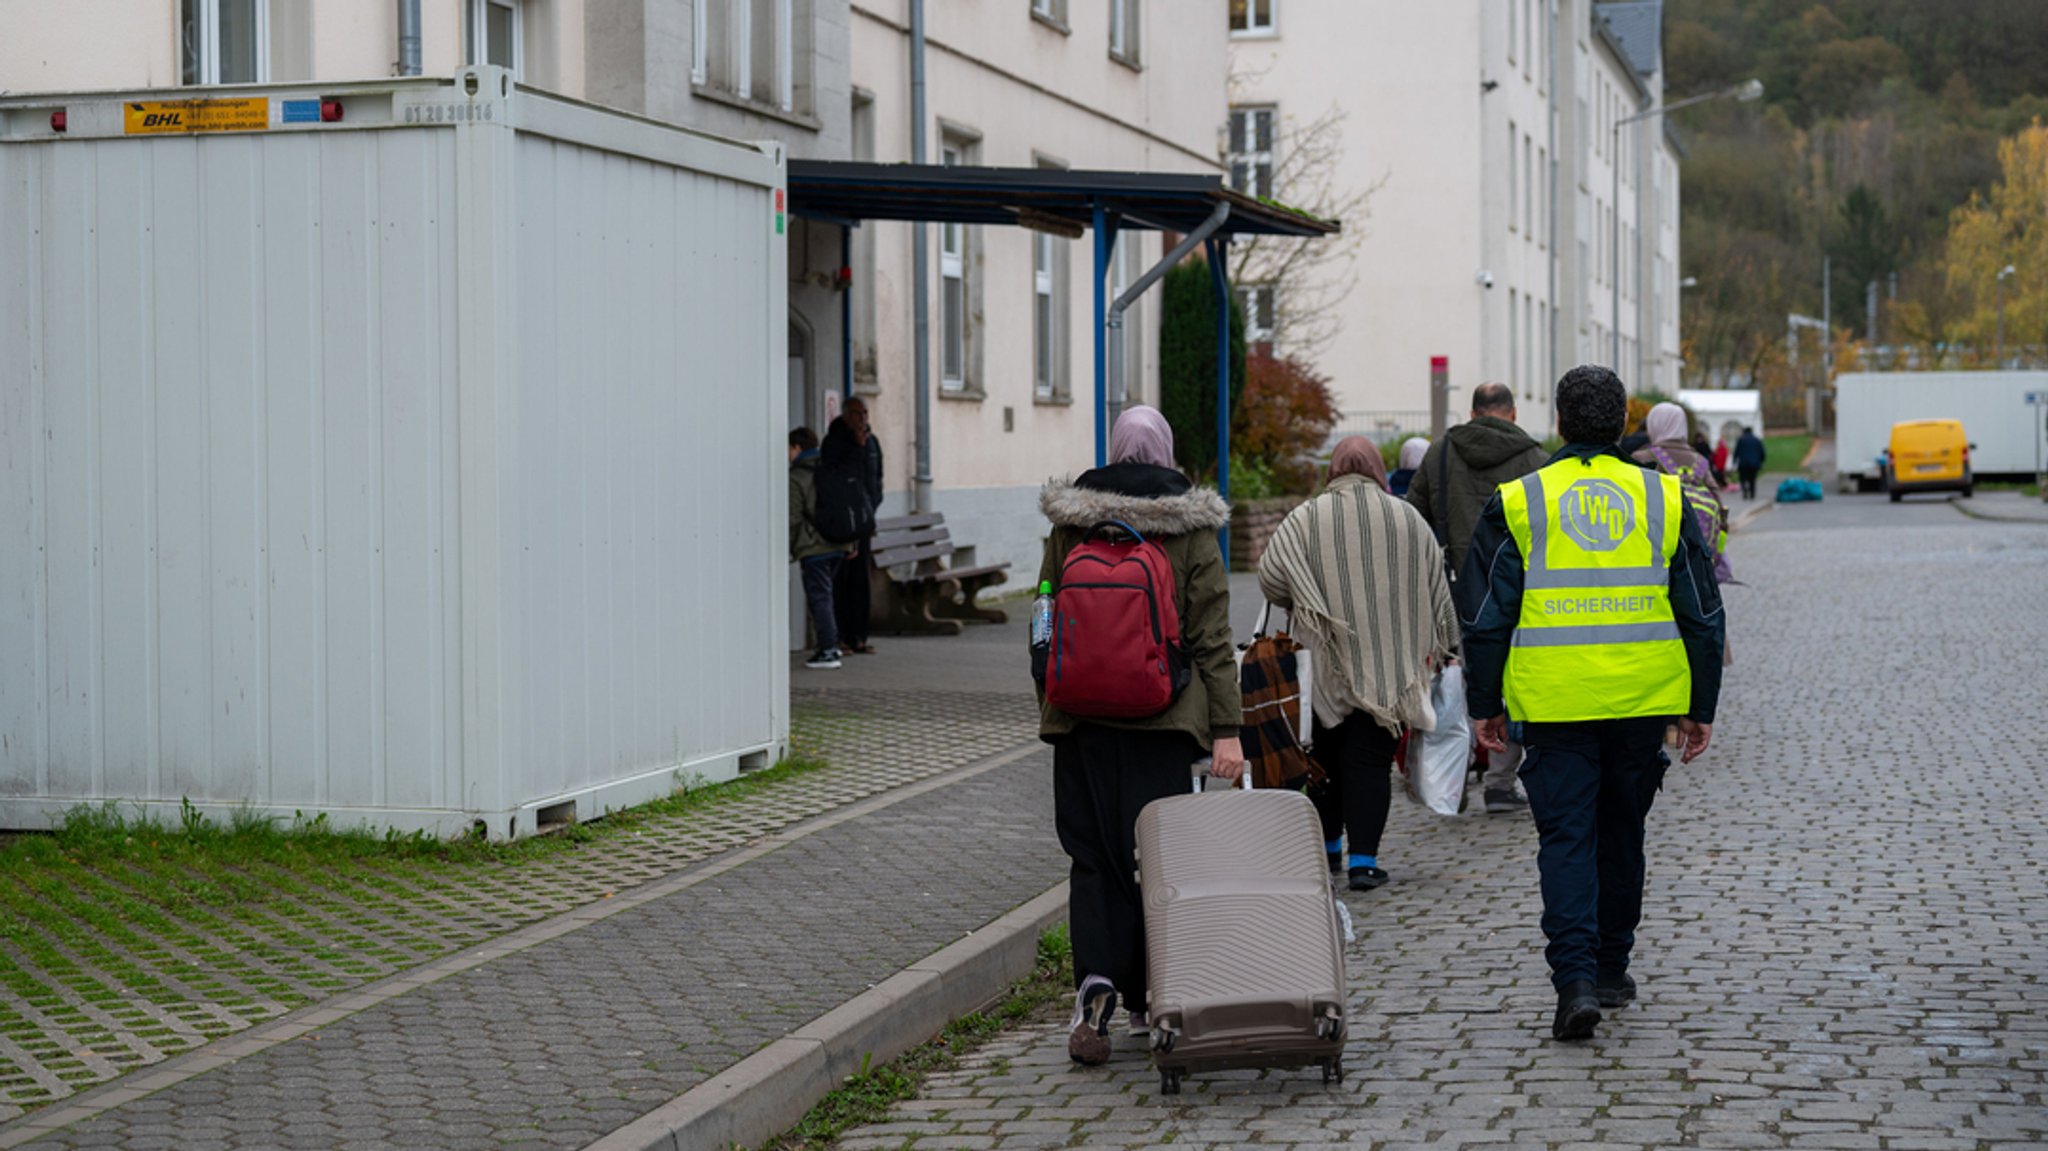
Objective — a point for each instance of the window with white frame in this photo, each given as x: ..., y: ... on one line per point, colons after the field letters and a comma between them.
x: 1252, y: 17
x: 954, y: 151
x: 1514, y: 339
x: 1051, y: 11
x: 1529, y: 344
x: 1528, y: 35
x: 224, y: 41
x: 1528, y: 187
x: 1044, y: 332
x: 755, y: 50
x: 496, y: 33
x: 1512, y: 5
x: 1261, y: 321
x: 1513, y: 143
x: 1123, y: 30
x: 1251, y: 151
x: 1542, y: 196
x: 1050, y: 260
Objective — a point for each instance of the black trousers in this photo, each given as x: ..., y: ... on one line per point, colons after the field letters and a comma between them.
x: 1101, y: 778
x: 1590, y: 787
x: 850, y: 601
x: 1358, y: 755
x: 1748, y: 477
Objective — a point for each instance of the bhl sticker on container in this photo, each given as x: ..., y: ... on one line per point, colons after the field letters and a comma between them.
x: 155, y: 117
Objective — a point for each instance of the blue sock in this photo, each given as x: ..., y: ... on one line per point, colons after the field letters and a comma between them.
x: 1358, y: 860
x: 1334, y: 846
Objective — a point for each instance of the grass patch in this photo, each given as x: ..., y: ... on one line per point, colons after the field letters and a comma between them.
x: 200, y: 860
x: 1782, y: 453
x: 2025, y: 489
x: 867, y: 1096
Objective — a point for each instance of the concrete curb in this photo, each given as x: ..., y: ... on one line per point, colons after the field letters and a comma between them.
x: 771, y: 1090
x: 1957, y: 503
x: 1749, y: 514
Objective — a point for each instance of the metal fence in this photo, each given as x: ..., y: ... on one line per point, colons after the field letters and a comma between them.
x: 1380, y: 427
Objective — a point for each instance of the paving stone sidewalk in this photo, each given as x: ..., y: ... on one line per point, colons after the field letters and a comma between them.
x: 568, y: 1039
x: 1845, y: 941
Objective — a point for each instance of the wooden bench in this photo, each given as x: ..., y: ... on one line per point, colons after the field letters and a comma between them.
x: 919, y: 593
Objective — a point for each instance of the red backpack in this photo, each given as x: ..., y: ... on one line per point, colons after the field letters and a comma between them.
x: 1116, y: 651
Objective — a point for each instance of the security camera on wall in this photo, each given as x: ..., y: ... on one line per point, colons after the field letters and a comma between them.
x: 1484, y: 279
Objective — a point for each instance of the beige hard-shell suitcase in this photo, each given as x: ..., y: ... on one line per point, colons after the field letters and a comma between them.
x: 1242, y: 944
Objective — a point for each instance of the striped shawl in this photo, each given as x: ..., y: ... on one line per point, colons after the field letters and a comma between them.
x: 1363, y: 577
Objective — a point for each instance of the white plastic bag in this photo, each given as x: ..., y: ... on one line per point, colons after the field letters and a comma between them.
x: 1437, y: 758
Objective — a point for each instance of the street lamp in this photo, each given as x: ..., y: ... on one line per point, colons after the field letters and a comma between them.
x: 2003, y: 274
x: 1744, y: 92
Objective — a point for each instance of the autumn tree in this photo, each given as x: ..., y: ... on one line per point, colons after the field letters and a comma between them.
x: 2006, y: 227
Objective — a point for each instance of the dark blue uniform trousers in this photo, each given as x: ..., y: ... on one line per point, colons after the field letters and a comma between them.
x: 1590, y: 786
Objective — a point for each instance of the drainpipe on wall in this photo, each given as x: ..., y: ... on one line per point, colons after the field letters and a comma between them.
x: 1551, y: 371
x: 408, y: 37
x: 921, y: 295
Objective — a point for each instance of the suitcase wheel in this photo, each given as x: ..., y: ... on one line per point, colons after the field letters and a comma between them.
x: 1169, y: 1082
x: 1329, y: 1028
x: 1333, y: 1071
x: 1162, y: 1039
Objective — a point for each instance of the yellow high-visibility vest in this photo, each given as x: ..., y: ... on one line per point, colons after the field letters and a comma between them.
x: 1596, y: 638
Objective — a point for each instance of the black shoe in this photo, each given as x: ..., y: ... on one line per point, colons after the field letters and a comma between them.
x: 1617, y: 991
x: 1336, y: 862
x: 1367, y: 878
x: 1578, y: 1012
x: 1504, y: 799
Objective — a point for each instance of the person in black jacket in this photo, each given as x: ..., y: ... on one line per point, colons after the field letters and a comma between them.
x: 852, y: 597
x: 1585, y: 648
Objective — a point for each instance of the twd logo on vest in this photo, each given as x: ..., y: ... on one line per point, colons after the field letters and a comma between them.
x: 1597, y: 514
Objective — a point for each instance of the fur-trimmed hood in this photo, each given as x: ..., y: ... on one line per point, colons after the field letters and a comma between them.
x: 1067, y: 504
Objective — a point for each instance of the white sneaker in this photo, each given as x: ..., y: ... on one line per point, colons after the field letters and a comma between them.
x: 826, y: 659
x: 1141, y: 1023
x: 1088, y: 1035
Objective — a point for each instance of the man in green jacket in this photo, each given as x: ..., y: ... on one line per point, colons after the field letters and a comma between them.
x: 1458, y: 475
x: 816, y: 556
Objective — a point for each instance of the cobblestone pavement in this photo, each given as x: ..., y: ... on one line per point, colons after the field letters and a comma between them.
x: 1845, y: 941
x: 107, y: 1000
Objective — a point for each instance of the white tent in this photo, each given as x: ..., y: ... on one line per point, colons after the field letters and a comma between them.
x: 1725, y: 412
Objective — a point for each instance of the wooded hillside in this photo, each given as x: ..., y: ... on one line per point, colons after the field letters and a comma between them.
x: 1881, y: 121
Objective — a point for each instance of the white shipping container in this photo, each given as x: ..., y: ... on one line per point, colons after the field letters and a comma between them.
x: 420, y: 467
x: 1992, y: 406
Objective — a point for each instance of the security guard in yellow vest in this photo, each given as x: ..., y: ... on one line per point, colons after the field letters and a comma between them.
x: 1593, y: 621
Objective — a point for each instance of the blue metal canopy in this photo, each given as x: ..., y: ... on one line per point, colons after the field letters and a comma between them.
x: 1067, y: 203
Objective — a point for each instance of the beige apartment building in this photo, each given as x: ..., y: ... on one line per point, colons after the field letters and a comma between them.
x: 1116, y: 84
x: 1487, y: 133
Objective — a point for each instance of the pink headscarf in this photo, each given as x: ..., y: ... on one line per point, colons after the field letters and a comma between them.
x: 1141, y: 436
x: 1358, y: 456
x: 1666, y: 423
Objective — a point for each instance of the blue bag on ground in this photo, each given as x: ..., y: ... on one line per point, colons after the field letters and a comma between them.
x: 1798, y: 491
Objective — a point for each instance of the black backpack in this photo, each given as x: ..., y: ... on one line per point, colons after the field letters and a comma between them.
x: 843, y: 512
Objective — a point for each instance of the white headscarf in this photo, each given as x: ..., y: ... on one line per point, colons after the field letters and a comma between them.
x: 1666, y: 422
x: 1412, y: 451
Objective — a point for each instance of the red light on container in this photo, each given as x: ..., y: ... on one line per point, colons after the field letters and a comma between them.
x: 59, y: 122
x: 1439, y: 363
x: 330, y: 111
x: 778, y: 199
x: 846, y: 275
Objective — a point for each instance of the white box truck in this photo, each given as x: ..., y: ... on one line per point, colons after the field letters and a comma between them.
x: 2002, y: 413
x: 405, y: 451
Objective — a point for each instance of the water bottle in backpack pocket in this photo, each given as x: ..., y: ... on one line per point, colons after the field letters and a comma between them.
x: 1116, y: 645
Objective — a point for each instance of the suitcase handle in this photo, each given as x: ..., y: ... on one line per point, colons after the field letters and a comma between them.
x: 1244, y: 778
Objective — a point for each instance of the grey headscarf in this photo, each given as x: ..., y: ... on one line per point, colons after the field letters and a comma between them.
x: 1666, y: 422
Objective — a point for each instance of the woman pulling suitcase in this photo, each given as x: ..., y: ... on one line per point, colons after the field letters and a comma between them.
x: 1110, y: 757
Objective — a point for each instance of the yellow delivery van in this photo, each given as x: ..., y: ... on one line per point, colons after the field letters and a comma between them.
x: 1928, y: 456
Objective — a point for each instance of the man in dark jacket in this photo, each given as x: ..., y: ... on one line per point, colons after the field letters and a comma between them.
x: 851, y: 594
x: 1749, y: 460
x: 816, y: 557
x: 1456, y: 478
x: 1586, y: 616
